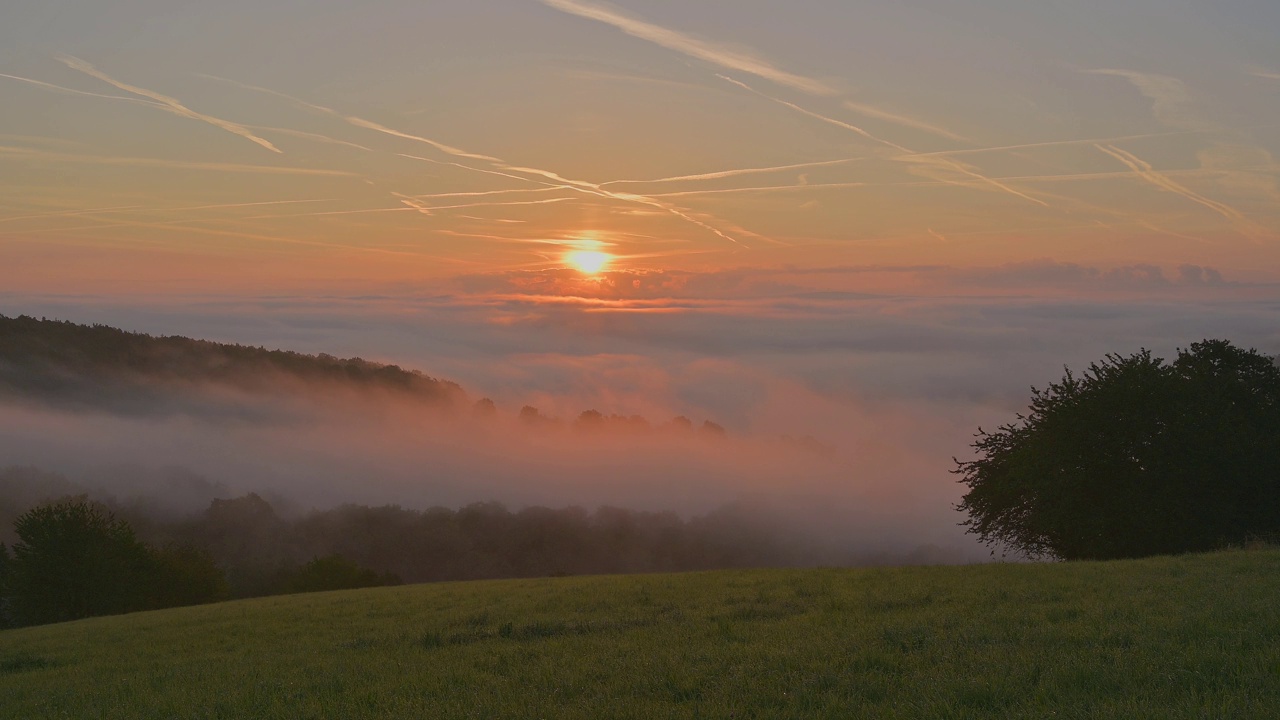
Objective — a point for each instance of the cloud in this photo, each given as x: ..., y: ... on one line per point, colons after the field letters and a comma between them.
x: 692, y: 46
x: 816, y: 292
x: 1197, y: 275
x: 169, y: 103
x: 1171, y: 102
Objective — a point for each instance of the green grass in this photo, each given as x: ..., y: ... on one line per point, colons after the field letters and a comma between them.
x: 1184, y: 637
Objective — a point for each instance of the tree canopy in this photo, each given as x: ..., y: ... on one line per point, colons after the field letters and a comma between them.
x: 1134, y: 457
x: 74, y: 560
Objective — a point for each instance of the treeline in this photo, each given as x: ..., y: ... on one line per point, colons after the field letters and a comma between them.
x: 258, y: 547
x: 73, y: 557
x: 103, y: 368
x: 58, y: 360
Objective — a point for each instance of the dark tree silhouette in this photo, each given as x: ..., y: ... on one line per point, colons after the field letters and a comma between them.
x: 1135, y: 457
x: 74, y: 560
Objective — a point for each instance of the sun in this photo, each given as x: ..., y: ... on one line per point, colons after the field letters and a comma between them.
x: 589, y: 261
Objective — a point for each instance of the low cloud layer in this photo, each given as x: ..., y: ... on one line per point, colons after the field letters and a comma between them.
x: 843, y: 408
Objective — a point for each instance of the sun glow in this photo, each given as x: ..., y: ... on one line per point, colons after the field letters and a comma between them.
x: 589, y: 261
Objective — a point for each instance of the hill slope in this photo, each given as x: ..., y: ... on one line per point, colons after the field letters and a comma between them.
x: 1192, y: 636
x: 101, y: 366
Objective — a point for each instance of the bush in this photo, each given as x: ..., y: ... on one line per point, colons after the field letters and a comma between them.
x: 74, y: 560
x: 336, y: 573
x: 185, y: 575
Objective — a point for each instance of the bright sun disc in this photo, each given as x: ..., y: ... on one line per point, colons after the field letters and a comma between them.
x: 589, y: 261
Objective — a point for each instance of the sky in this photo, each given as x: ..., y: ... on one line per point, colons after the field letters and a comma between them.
x: 816, y: 216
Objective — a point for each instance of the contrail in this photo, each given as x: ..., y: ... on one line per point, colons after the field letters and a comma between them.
x: 730, y: 60
x: 170, y: 164
x: 268, y: 91
x: 185, y: 226
x: 1074, y: 177
x: 766, y: 188
x: 1053, y: 143
x: 317, y: 137
x: 468, y: 167
x: 362, y: 211
x: 909, y: 155
x: 424, y: 209
x: 816, y: 116
x: 905, y: 121
x: 590, y: 188
x: 152, y: 209
x: 496, y: 220
x: 1145, y: 171
x: 692, y: 46
x: 735, y: 173
x: 502, y: 238
x: 960, y: 168
x: 170, y: 103
x: 482, y: 193
x: 446, y: 149
x: 72, y: 213
x: 502, y: 165
x: 86, y: 93
x: 226, y: 206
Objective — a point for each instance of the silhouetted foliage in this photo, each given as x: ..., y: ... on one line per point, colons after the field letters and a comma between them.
x: 1135, y: 457
x: 97, y: 365
x: 336, y: 573
x: 245, y: 536
x: 185, y: 575
x: 73, y: 560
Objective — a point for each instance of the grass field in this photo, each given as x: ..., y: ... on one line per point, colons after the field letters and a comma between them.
x: 1185, y: 637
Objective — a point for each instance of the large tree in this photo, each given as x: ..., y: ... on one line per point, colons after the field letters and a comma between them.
x: 1135, y: 457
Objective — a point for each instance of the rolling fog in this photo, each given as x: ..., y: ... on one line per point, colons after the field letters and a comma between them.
x: 842, y: 411
x: 315, y: 448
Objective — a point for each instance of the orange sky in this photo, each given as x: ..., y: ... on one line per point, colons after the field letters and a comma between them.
x: 185, y: 148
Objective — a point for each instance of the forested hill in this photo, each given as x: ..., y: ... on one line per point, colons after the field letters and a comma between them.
x: 62, y: 362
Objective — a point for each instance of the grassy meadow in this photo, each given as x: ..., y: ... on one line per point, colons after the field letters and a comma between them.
x: 1177, y: 637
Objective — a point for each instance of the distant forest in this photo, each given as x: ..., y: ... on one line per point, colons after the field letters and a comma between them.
x: 98, y: 367
x: 52, y: 360
x: 262, y: 552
